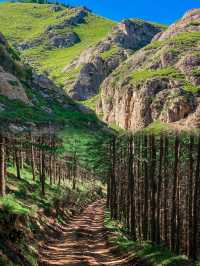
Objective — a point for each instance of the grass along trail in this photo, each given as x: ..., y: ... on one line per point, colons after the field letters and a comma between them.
x: 83, y: 243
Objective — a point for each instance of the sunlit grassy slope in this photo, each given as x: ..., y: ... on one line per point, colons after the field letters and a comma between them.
x: 22, y: 22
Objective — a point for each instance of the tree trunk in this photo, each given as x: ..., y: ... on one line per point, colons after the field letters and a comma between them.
x: 42, y: 178
x: 17, y: 162
x: 190, y: 193
x: 159, y: 191
x: 32, y: 157
x: 113, y: 181
x: 146, y: 190
x: 2, y: 167
x: 153, y: 189
x: 174, y: 197
x: 196, y: 202
x: 166, y: 187
x: 131, y: 183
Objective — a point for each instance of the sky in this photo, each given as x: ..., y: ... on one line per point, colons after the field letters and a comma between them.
x: 163, y: 11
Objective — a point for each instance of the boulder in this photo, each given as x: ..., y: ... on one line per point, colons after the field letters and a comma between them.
x: 2, y: 39
x: 12, y: 88
x: 56, y: 8
x: 75, y: 19
x: 2, y: 107
x: 42, y: 81
x: 30, y: 44
x: 47, y: 110
x: 63, y: 41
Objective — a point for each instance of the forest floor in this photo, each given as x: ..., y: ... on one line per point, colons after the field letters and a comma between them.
x: 84, y: 242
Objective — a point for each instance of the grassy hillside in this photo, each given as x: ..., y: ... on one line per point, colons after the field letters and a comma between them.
x: 23, y: 22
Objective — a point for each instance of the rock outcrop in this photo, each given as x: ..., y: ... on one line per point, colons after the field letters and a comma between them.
x: 59, y: 35
x: 11, y: 71
x: 56, y: 8
x: 159, y: 82
x: 98, y: 62
x: 12, y: 88
x: 77, y: 17
x: 63, y: 41
x: 53, y: 39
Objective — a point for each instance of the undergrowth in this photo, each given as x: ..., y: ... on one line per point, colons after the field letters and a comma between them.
x: 153, y: 254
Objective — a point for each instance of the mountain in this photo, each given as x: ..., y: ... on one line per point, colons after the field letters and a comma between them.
x: 97, y: 62
x: 76, y: 48
x: 136, y: 72
x: 160, y: 82
x: 49, y: 36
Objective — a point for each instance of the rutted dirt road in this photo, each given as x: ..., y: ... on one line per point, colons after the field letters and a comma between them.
x: 84, y: 243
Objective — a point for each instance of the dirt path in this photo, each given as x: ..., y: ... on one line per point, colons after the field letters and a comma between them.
x: 83, y: 243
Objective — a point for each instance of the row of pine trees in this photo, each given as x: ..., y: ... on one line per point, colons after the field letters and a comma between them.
x: 153, y: 181
x: 154, y: 189
x: 46, y: 158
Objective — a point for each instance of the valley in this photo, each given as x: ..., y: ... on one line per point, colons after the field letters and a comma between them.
x: 99, y: 138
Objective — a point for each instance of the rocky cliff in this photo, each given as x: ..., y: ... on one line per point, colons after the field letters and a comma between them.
x: 160, y: 82
x: 96, y: 63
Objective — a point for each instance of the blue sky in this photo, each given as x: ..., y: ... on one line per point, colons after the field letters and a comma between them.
x: 164, y: 11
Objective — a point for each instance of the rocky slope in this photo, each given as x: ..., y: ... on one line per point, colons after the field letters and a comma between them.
x: 96, y: 63
x: 160, y: 82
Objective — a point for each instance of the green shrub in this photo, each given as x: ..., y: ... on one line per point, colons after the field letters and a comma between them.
x: 144, y: 74
x: 10, y: 204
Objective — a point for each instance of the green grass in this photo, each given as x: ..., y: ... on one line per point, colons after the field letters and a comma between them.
x: 156, y: 24
x: 92, y: 102
x: 182, y: 41
x: 157, y: 128
x: 9, y: 204
x: 196, y: 71
x: 109, y: 53
x: 4, y: 261
x: 144, y: 74
x: 26, y: 193
x: 156, y: 255
x: 22, y: 22
x: 191, y: 88
x: 154, y: 45
x: 185, y: 39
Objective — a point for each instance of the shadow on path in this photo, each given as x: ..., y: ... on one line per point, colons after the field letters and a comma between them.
x: 83, y: 243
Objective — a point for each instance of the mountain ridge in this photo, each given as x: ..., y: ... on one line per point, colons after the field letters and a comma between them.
x: 159, y: 82
x: 87, y: 54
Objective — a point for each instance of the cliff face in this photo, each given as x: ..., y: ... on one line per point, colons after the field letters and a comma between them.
x: 159, y: 82
x: 11, y: 71
x: 96, y: 63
